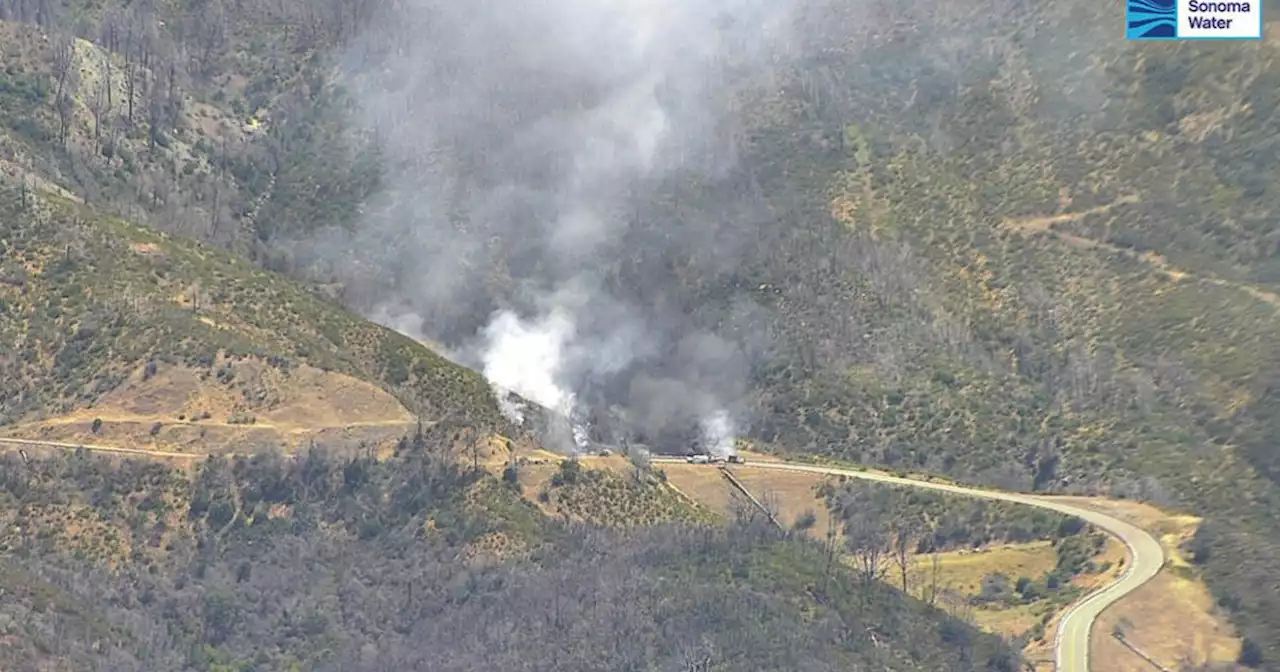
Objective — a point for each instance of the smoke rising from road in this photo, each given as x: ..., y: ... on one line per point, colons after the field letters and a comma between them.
x: 521, y: 140
x: 718, y: 434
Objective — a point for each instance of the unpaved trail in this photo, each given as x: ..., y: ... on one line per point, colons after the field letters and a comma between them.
x: 101, y: 449
x: 1044, y: 226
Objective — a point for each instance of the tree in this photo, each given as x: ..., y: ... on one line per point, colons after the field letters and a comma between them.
x: 905, y: 536
x: 995, y: 586
x: 935, y: 567
x: 64, y: 60
x: 868, y: 542
x: 829, y: 546
x: 211, y: 33
x: 65, y: 108
x: 473, y: 443
x: 511, y: 475
x: 101, y: 102
x: 67, y: 76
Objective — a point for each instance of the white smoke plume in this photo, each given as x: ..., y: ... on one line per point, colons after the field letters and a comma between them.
x: 528, y: 358
x: 718, y: 436
x: 521, y: 141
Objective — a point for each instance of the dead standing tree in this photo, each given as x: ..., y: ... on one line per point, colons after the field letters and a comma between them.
x: 868, y: 542
x: 101, y: 104
x: 67, y: 75
x: 904, y: 533
x: 935, y: 564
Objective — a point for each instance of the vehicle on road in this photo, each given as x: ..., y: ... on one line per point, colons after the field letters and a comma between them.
x: 698, y: 459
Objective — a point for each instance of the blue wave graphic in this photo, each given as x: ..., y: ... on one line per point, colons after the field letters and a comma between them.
x: 1151, y: 18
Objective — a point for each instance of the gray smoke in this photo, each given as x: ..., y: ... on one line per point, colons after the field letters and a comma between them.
x: 520, y: 139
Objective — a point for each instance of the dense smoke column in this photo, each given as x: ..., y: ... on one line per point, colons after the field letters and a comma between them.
x: 526, y: 145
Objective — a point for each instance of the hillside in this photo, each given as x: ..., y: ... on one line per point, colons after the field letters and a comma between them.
x: 1023, y: 253
x: 413, y: 563
x: 126, y: 565
x: 122, y: 332
x: 1037, y: 257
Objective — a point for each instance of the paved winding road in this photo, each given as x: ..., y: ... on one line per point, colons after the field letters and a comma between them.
x: 1071, y: 648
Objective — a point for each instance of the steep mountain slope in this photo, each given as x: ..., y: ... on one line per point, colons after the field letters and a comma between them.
x: 1022, y: 251
x: 142, y: 327
x: 130, y: 565
x: 1036, y: 256
x: 121, y: 334
x: 412, y: 563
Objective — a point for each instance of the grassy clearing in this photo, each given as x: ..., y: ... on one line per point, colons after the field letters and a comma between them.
x: 1174, y: 618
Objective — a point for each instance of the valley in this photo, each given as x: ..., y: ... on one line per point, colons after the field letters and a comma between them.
x: 327, y: 293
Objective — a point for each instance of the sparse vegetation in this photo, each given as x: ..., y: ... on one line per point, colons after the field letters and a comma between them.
x: 110, y: 298
x: 892, y: 531
x: 236, y: 562
x: 1039, y: 257
x: 604, y: 497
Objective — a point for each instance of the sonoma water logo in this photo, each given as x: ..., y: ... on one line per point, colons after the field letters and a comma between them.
x: 1193, y: 19
x: 1151, y: 19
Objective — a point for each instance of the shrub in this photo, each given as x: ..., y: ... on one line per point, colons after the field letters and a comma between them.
x: 1250, y: 653
x: 511, y: 476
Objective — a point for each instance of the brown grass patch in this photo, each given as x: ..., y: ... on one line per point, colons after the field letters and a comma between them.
x: 790, y: 494
x: 608, y: 493
x: 238, y: 405
x: 492, y: 549
x: 1171, y: 618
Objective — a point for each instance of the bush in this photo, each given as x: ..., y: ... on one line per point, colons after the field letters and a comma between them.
x: 511, y: 476
x: 1250, y: 653
x: 570, y: 472
x: 994, y: 587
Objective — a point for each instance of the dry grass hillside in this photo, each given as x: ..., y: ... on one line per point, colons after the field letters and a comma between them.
x: 1173, y: 619
x: 244, y: 405
x: 125, y: 336
x: 238, y: 562
x: 607, y: 491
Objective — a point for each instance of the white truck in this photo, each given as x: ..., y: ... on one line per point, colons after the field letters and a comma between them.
x: 698, y: 459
